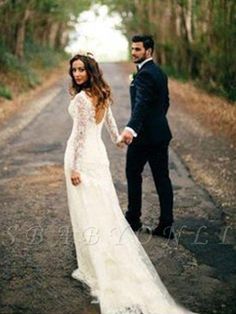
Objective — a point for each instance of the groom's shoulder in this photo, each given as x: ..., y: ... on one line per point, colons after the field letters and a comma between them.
x: 153, y: 67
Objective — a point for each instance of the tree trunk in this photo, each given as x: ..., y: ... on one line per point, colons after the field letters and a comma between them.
x: 62, y: 36
x: 188, y: 21
x: 52, y: 35
x: 20, y: 35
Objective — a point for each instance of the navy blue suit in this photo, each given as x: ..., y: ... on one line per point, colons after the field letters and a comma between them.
x: 149, y: 105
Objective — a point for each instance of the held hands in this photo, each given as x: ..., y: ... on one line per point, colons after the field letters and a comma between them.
x: 75, y: 177
x: 125, y: 137
x: 120, y: 144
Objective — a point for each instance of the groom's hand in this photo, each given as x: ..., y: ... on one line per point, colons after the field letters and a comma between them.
x: 127, y: 137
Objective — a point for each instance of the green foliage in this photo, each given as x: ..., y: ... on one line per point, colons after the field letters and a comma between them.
x: 5, y: 92
x: 171, y: 71
x: 43, y: 56
x: 195, y: 38
x: 10, y: 63
x: 33, y: 36
x: 43, y: 22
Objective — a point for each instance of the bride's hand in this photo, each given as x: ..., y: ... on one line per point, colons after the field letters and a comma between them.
x: 120, y: 143
x: 75, y: 177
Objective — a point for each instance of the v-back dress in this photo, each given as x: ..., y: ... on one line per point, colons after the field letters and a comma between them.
x: 110, y: 258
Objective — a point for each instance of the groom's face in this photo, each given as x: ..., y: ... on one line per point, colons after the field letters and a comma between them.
x: 139, y: 53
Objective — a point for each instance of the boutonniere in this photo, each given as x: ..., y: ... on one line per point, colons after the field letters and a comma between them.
x: 132, y: 76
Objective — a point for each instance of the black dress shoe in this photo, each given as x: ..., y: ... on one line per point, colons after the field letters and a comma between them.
x: 136, y: 227
x: 164, y: 231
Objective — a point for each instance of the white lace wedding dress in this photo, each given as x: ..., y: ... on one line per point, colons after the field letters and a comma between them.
x: 110, y: 258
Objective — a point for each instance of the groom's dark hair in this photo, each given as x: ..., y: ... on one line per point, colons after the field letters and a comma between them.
x: 147, y: 41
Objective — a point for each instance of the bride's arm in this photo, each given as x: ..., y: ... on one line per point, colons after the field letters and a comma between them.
x: 80, y: 122
x: 111, y: 126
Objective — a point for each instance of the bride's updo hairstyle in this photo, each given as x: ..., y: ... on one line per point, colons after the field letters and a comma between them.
x: 95, y: 87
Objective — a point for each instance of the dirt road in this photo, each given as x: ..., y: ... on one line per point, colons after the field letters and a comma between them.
x: 37, y: 250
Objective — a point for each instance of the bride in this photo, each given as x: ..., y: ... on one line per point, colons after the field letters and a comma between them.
x: 110, y: 258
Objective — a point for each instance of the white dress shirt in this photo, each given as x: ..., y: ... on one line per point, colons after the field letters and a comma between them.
x: 142, y: 63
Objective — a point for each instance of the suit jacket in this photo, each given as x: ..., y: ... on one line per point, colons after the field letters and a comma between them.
x: 149, y: 105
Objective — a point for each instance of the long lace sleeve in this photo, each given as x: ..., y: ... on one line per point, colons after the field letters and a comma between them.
x: 80, y: 122
x: 111, y: 126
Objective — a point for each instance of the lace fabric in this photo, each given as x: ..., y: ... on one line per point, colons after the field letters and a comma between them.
x: 111, y: 126
x: 82, y: 112
x: 110, y: 258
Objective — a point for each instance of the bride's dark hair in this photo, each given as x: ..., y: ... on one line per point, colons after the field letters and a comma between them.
x: 95, y: 86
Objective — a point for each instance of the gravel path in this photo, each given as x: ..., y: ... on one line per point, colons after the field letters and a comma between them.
x: 37, y: 250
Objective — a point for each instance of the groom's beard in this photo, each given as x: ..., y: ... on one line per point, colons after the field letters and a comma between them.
x: 140, y: 60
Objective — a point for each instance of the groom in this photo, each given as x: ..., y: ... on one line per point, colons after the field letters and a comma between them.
x: 148, y: 135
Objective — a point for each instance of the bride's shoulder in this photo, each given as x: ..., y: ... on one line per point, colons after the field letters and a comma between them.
x: 79, y: 97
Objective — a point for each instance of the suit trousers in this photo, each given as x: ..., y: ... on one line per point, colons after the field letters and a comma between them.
x: 157, y: 157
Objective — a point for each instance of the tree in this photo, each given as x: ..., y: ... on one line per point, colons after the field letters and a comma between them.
x: 195, y: 38
x: 44, y: 22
